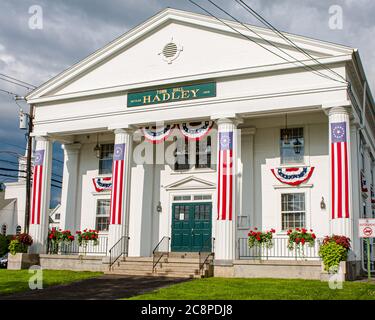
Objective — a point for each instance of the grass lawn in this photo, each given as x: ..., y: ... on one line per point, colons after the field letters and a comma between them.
x: 260, y: 289
x: 12, y: 281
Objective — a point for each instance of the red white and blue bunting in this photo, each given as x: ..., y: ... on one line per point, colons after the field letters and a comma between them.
x: 372, y: 195
x: 102, y: 184
x: 363, y: 182
x: 194, y: 130
x: 157, y: 134
x: 293, y: 176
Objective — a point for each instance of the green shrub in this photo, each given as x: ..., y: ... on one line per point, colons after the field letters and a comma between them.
x: 4, y: 244
x: 332, y: 254
x: 17, y: 247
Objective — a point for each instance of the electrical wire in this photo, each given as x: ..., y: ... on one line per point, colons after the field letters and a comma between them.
x: 306, y: 67
x: 24, y: 82
x: 278, y: 32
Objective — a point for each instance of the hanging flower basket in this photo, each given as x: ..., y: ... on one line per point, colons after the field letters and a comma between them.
x: 57, y: 237
x: 86, y: 236
x: 299, y: 238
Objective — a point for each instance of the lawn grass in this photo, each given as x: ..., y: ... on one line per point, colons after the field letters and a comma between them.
x: 12, y: 281
x: 260, y: 289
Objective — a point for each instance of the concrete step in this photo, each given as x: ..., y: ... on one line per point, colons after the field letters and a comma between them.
x: 150, y: 274
x: 184, y: 255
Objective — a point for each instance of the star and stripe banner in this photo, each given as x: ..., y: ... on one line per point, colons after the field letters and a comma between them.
x: 293, y: 176
x: 195, y: 130
x: 155, y: 134
x: 118, y: 181
x: 339, y: 171
x: 37, y: 187
x: 102, y: 183
x: 225, y: 176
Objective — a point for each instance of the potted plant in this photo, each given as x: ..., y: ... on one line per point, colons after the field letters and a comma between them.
x: 334, y: 250
x: 260, y: 239
x: 300, y: 237
x: 56, y: 237
x: 20, y: 243
x: 86, y: 236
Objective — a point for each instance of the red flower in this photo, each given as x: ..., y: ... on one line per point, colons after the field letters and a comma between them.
x: 303, y: 241
x: 255, y: 228
x: 313, y: 236
x: 273, y: 230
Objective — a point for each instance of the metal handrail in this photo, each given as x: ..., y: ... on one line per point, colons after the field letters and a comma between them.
x: 204, y: 255
x: 279, y: 250
x: 119, y: 249
x: 156, y: 254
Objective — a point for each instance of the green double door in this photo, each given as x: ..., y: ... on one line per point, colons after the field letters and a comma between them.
x: 191, y: 226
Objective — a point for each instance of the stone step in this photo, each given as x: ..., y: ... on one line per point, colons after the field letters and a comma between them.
x: 150, y: 274
x: 184, y: 255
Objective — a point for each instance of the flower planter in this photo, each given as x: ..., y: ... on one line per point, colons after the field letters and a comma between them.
x: 22, y: 261
x: 340, y: 276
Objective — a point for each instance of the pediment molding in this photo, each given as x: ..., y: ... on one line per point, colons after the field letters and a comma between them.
x: 190, y: 183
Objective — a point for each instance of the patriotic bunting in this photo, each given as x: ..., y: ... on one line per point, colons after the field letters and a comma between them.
x: 293, y: 176
x: 37, y: 187
x: 118, y: 176
x: 372, y: 195
x: 363, y: 182
x: 157, y: 134
x: 194, y: 131
x: 102, y: 184
x: 225, y: 176
x: 339, y: 171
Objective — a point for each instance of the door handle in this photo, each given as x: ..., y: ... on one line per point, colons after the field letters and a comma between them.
x: 192, y: 231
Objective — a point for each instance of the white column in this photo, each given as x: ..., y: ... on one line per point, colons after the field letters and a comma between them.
x: 40, y: 199
x: 68, y: 219
x: 341, y: 209
x: 227, y: 166
x: 120, y: 194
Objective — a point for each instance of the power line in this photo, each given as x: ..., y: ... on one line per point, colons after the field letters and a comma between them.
x: 16, y: 177
x: 18, y: 84
x: 24, y: 171
x: 306, y: 67
x: 9, y: 92
x: 278, y: 32
x: 24, y: 82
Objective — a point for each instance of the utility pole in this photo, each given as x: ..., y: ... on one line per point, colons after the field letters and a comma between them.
x: 29, y: 118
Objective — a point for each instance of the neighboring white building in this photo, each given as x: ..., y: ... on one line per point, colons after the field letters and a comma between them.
x: 12, y: 203
x: 55, y: 217
x: 267, y: 113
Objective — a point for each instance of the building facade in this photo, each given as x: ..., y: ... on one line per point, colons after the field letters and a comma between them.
x: 184, y: 129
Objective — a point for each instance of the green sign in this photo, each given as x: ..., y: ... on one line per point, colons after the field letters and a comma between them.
x: 173, y: 94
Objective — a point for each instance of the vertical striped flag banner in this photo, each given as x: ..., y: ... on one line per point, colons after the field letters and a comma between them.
x: 339, y: 170
x: 225, y: 177
x: 37, y: 187
x: 118, y: 182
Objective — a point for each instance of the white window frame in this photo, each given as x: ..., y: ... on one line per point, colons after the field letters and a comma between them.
x: 96, y: 214
x: 306, y: 152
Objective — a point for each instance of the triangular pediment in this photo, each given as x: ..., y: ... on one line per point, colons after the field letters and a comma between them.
x: 206, y: 46
x: 190, y: 183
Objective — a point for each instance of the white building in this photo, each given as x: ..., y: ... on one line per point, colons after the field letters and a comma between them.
x: 271, y: 115
x: 12, y: 203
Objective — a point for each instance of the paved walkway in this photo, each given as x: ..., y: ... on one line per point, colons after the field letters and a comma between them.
x: 106, y: 287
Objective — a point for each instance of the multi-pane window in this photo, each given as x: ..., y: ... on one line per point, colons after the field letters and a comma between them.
x: 106, y: 158
x: 102, y: 214
x: 293, y: 210
x: 182, y: 154
x: 202, y: 212
x: 292, y: 145
x: 203, y: 154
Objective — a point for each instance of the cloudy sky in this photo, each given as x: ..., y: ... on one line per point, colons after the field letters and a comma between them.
x: 72, y: 29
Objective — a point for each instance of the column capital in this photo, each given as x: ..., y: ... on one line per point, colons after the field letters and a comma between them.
x: 228, y: 120
x: 43, y: 138
x: 129, y: 130
x: 344, y: 110
x: 71, y: 147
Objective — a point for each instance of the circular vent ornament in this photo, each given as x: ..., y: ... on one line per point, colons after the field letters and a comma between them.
x: 170, y: 51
